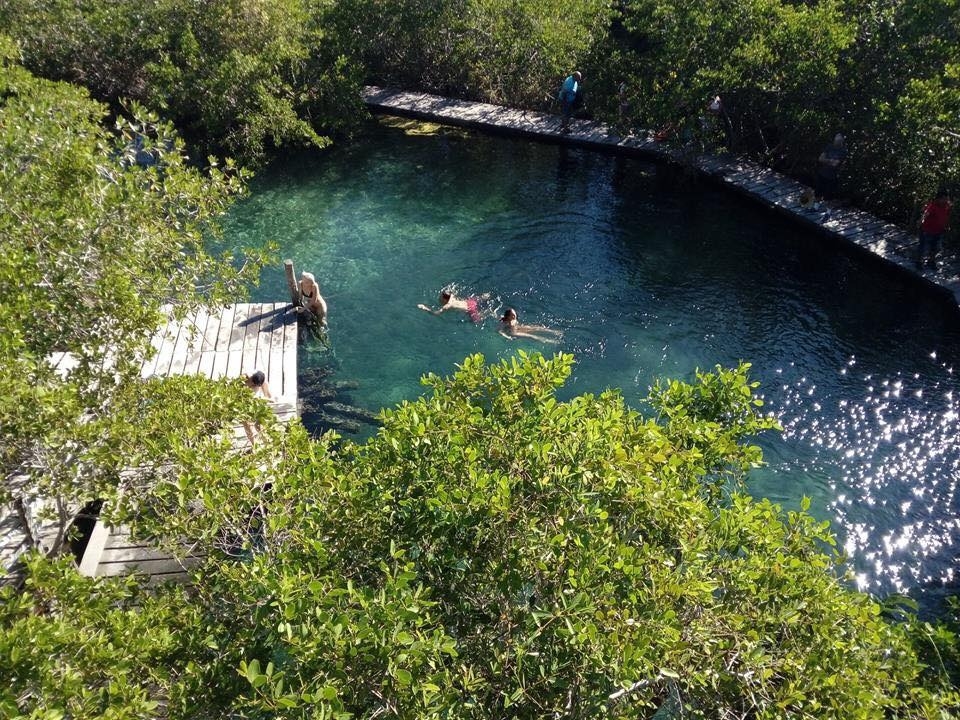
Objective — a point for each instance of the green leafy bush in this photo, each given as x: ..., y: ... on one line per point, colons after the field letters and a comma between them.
x: 493, y: 552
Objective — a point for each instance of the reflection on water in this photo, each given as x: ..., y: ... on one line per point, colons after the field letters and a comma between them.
x: 646, y: 280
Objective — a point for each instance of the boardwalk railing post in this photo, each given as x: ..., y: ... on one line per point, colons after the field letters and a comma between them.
x: 292, y: 282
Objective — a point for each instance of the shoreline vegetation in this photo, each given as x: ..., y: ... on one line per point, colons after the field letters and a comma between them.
x: 492, y: 551
x: 250, y: 81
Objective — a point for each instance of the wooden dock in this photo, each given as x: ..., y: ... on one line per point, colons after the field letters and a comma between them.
x: 238, y: 339
x: 861, y: 230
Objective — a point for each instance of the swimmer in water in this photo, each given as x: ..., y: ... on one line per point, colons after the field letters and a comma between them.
x: 511, y: 328
x: 472, y: 305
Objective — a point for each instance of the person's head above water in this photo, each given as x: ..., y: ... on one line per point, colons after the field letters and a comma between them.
x: 445, y: 296
x: 509, y: 315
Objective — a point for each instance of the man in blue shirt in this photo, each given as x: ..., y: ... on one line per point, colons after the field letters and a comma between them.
x: 569, y: 92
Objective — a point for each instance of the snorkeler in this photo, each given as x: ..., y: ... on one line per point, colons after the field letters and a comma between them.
x: 472, y: 306
x: 511, y: 328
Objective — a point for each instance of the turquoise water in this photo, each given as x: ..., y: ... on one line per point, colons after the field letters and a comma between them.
x: 645, y: 280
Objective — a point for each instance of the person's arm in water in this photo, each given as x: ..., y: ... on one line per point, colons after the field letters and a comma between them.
x: 431, y: 310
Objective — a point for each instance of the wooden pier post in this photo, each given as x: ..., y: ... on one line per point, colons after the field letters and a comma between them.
x: 292, y: 282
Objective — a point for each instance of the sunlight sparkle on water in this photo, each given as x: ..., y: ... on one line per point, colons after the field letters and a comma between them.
x: 898, y: 453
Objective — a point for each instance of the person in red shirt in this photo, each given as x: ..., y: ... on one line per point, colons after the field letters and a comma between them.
x: 933, y: 224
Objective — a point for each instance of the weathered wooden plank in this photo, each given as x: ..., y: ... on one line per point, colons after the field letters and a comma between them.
x: 226, y: 328
x: 252, y: 327
x: 165, y: 356
x: 192, y: 363
x: 241, y: 313
x: 207, y: 359
x: 212, y: 330
x: 138, y: 554
x: 94, y: 550
x: 181, y: 346
x: 148, y: 567
x: 290, y: 349
x: 264, y: 337
x: 220, y: 360
x: 276, y: 362
x: 156, y: 342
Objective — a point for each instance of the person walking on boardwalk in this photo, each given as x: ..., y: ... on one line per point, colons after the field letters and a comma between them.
x: 933, y: 224
x: 511, y: 328
x: 828, y: 168
x: 570, y: 92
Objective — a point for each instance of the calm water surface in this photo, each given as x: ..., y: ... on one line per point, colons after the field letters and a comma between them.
x: 646, y: 281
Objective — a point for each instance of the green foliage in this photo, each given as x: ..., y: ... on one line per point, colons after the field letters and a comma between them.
x: 92, y: 247
x: 901, y: 103
x: 507, y: 51
x: 79, y: 648
x: 247, y: 78
x: 793, y: 74
x: 255, y: 77
x: 494, y: 552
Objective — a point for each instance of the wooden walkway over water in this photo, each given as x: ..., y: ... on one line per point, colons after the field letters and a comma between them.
x: 235, y: 340
x: 861, y: 230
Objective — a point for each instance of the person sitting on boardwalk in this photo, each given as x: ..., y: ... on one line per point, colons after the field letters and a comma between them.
x: 310, y: 297
x: 257, y: 382
x: 933, y: 224
x: 472, y: 306
x: 511, y: 328
x: 570, y: 92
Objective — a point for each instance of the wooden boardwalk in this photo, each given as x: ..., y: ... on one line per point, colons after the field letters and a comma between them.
x: 238, y: 339
x: 861, y: 230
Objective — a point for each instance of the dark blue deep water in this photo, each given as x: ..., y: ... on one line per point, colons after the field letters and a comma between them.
x: 646, y: 279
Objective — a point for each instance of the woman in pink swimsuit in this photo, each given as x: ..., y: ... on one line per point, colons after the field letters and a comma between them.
x: 448, y: 301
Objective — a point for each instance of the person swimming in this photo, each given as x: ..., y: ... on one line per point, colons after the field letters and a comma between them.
x: 472, y: 306
x: 511, y: 328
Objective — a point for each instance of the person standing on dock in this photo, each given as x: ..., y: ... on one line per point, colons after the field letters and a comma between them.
x: 828, y: 168
x: 570, y: 93
x: 933, y: 224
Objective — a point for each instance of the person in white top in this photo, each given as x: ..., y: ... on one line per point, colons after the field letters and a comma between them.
x: 257, y: 382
